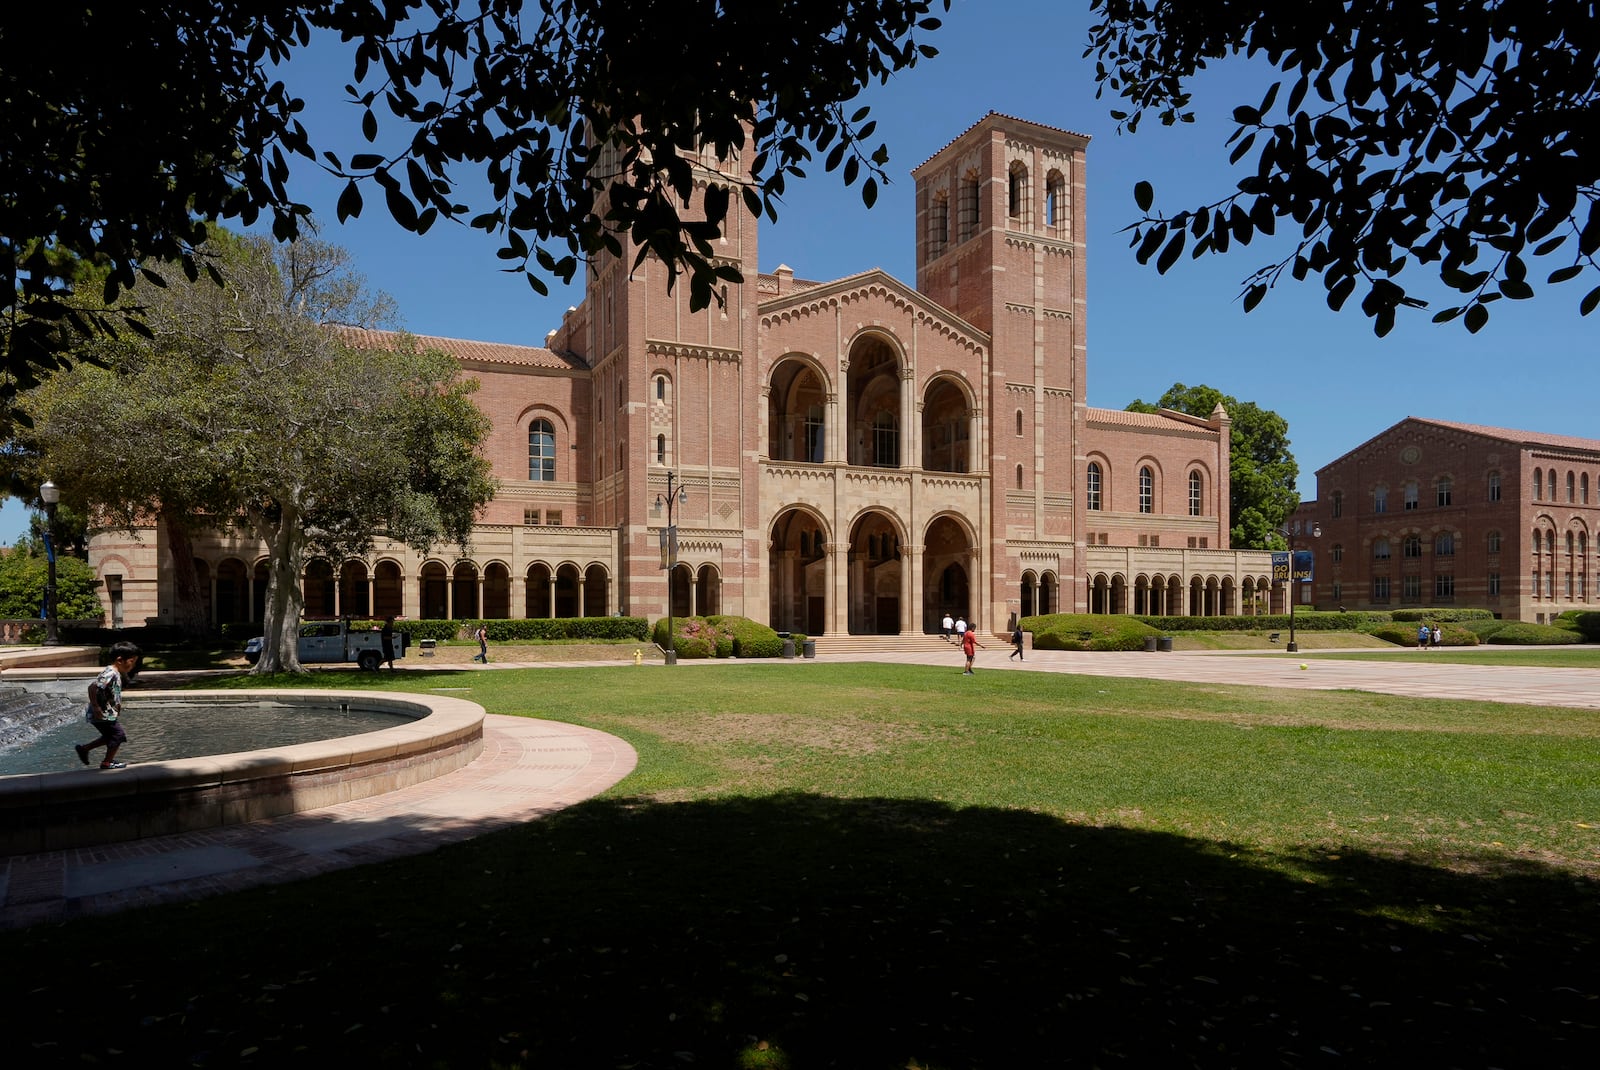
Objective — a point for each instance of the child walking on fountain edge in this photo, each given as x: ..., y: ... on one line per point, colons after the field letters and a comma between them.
x: 104, y: 710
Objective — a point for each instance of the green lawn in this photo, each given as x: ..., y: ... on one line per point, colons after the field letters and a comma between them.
x: 1555, y: 657
x: 870, y: 866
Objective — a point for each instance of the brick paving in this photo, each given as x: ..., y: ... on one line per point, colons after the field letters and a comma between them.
x: 530, y: 768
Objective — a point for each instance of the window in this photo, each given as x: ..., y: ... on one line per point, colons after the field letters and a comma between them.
x: 1411, y: 494
x: 1567, y: 585
x: 1017, y: 192
x: 1494, y: 584
x: 1055, y: 201
x: 1552, y: 484
x: 1550, y: 584
x: 1380, y: 500
x: 1196, y: 495
x: 661, y: 449
x: 542, y: 451
x: 1538, y: 484
x: 1380, y: 588
x: 1338, y: 592
x: 1019, y: 423
x: 552, y: 518
x: 661, y: 388
x: 1338, y: 504
x: 1155, y: 540
x: 530, y: 518
x: 1572, y: 488
x: 1147, y: 490
x: 1441, y: 491
x: 1411, y: 546
x: 1569, y: 544
x: 1445, y: 545
x: 1338, y: 553
x: 1444, y: 585
x: 1583, y: 488
x: 1091, y: 486
x: 938, y: 224
x: 1380, y: 550
x: 1550, y: 542
x: 814, y: 427
x: 968, y: 205
x: 1411, y: 587
x: 886, y: 441
x: 1494, y: 542
x: 1494, y: 486
x: 1019, y: 477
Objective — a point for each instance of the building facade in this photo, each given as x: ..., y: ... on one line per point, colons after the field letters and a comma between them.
x: 854, y: 456
x: 1431, y: 513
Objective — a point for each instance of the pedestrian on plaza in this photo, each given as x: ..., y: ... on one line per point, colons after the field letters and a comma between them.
x: 104, y: 710
x: 961, y: 628
x: 1438, y: 636
x: 1423, y: 636
x: 946, y: 625
x: 386, y: 637
x: 482, y: 636
x: 969, y: 645
x: 1016, y: 641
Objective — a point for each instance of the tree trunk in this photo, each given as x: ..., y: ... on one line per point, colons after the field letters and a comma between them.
x: 188, y: 601
x: 280, y: 648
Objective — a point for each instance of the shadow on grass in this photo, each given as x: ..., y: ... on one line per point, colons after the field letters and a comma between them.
x: 798, y: 931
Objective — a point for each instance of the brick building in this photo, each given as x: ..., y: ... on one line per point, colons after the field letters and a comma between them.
x: 857, y: 455
x: 1435, y: 513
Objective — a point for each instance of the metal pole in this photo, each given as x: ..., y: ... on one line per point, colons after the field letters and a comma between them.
x: 51, y: 636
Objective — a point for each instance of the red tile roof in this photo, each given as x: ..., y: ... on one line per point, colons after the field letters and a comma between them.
x: 465, y: 349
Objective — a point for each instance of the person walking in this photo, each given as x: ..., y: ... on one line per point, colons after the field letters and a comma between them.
x: 969, y: 645
x: 104, y: 710
x: 1016, y: 641
x: 1423, y: 636
x: 961, y: 628
x: 1438, y: 637
x: 386, y: 637
x: 482, y: 636
x: 946, y: 625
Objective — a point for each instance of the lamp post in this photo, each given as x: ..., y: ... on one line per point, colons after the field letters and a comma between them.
x: 1290, y: 579
x: 669, y: 553
x: 50, y: 494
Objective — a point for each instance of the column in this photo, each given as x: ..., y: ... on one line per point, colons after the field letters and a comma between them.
x: 911, y: 559
x: 552, y: 596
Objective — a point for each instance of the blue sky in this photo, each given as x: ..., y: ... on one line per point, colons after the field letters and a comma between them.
x: 1532, y: 368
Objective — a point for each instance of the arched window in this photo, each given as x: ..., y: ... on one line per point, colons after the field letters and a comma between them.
x: 1572, y: 487
x: 814, y: 436
x: 1147, y: 490
x: 661, y: 449
x: 1055, y: 202
x: 1411, y: 546
x: 969, y: 205
x: 1493, y: 542
x: 1552, y: 484
x: 1017, y: 192
x: 1494, y: 486
x: 1444, y: 545
x: 1538, y: 484
x: 1019, y: 477
x: 1570, y: 542
x: 1441, y: 491
x: 542, y: 451
x: 1019, y: 423
x: 661, y: 388
x: 1583, y: 488
x: 1196, y: 494
x: 938, y: 224
x: 1338, y: 504
x: 1410, y: 492
x: 1380, y: 550
x: 1091, y: 486
x: 1338, y: 553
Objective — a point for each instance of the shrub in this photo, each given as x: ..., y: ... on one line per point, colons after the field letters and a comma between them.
x: 719, y: 636
x: 1485, y: 628
x: 1088, y: 631
x: 750, y: 639
x: 1519, y: 633
x: 1441, y: 616
x: 1404, y: 634
x: 1589, y: 626
x: 1306, y: 620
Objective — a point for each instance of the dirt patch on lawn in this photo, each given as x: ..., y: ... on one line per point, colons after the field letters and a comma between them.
x: 786, y: 730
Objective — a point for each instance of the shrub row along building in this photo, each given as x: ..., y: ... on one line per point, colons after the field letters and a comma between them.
x: 856, y: 456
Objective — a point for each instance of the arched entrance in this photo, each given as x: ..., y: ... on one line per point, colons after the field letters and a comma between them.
x: 353, y: 590
x: 596, y: 590
x: 947, y: 566
x: 797, y: 571
x: 318, y: 589
x: 796, y: 412
x: 496, y: 591
x: 876, y: 571
x: 538, y: 592
x: 567, y: 581
x: 464, y: 591
x: 388, y: 590
x: 946, y: 428
x: 873, y: 404
x: 433, y: 585
x: 707, y: 592
x: 233, y: 592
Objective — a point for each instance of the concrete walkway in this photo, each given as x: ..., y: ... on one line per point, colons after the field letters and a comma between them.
x: 530, y: 768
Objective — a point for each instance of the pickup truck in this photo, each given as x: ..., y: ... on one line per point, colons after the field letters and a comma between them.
x: 333, y: 640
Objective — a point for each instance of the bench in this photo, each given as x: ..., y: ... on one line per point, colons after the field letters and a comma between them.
x: 1273, y: 638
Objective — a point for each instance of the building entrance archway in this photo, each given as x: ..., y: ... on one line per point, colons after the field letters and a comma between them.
x: 876, y: 576
x: 947, y: 570
x: 797, y: 573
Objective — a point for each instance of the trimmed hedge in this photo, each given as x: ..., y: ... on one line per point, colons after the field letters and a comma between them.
x: 1518, y: 633
x: 500, y: 631
x: 1440, y: 616
x: 720, y: 636
x: 1308, y: 621
x: 1088, y: 631
x: 1401, y: 633
x: 1589, y: 626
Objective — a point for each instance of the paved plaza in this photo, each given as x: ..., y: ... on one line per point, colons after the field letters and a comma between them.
x: 530, y: 768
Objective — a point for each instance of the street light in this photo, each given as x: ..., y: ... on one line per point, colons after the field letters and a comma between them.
x: 669, y: 553
x: 50, y: 494
x: 1315, y: 531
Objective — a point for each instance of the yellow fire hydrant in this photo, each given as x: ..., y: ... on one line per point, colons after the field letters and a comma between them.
x: 638, y: 656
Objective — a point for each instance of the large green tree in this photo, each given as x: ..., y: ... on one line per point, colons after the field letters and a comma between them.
x: 25, y: 573
x: 127, y: 126
x: 1262, y: 473
x: 244, y: 409
x: 1456, y: 135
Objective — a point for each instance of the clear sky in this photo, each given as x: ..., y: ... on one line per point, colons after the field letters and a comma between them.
x: 1532, y: 368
